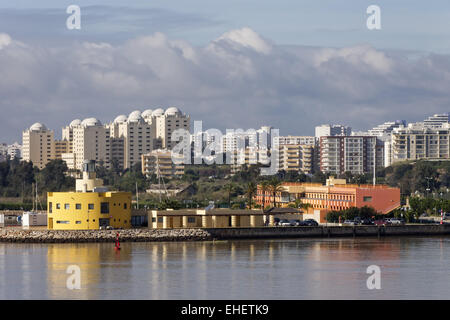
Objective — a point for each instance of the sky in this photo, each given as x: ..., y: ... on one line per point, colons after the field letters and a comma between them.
x: 292, y: 64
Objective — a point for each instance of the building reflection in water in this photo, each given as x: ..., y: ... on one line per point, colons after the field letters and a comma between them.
x: 264, y: 269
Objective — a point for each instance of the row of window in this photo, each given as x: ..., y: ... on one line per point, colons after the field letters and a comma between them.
x: 104, y: 206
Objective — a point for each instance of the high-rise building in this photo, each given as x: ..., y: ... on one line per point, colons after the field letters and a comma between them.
x: 327, y: 130
x: 356, y: 154
x: 436, y: 120
x: 137, y: 135
x: 418, y: 141
x: 303, y: 140
x: 91, y: 141
x: 38, y: 146
x: 296, y: 157
x: 169, y: 121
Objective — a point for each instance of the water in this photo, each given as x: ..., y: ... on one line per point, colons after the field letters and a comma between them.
x: 411, y: 268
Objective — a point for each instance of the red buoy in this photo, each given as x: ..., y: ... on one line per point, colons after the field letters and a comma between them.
x: 117, y: 246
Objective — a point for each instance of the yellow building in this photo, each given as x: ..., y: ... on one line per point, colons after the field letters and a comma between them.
x: 90, y: 207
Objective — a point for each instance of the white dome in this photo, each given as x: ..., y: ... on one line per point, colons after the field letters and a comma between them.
x: 75, y: 123
x: 38, y: 127
x: 158, y: 112
x: 91, y: 122
x: 135, y: 116
x: 172, y: 111
x: 147, y: 113
x: 120, y: 119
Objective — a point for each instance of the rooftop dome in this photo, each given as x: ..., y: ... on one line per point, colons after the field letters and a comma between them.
x: 158, y: 112
x: 135, y: 116
x: 147, y: 113
x: 91, y: 122
x: 75, y: 123
x: 120, y: 119
x: 38, y: 127
x: 172, y: 111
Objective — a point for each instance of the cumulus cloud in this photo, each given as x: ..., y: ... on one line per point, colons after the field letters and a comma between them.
x: 238, y: 80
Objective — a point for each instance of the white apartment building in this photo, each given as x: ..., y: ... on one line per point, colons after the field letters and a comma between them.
x: 298, y: 140
x: 327, y: 130
x: 436, y: 120
x: 14, y: 151
x: 38, y: 146
x: 418, y: 141
x: 135, y: 134
x: 356, y: 154
x: 91, y: 141
x: 167, y: 122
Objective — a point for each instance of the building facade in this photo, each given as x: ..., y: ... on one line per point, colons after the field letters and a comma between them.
x: 91, y: 207
x: 38, y: 145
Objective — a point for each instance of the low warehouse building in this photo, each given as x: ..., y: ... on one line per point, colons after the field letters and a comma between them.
x: 217, y: 218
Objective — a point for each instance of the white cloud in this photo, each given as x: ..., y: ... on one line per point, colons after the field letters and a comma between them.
x: 237, y: 80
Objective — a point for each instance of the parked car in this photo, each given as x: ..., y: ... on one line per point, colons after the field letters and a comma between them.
x: 276, y: 221
x: 446, y: 215
x: 351, y: 222
x: 397, y: 221
x: 366, y: 222
x: 382, y: 222
x: 284, y: 223
x: 310, y: 223
x: 296, y: 223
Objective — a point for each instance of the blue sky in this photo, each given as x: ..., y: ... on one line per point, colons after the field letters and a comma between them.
x: 406, y: 24
x: 292, y: 64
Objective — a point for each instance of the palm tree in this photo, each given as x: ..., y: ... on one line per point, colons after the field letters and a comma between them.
x: 250, y: 192
x: 229, y: 188
x: 275, y: 186
x: 264, y: 188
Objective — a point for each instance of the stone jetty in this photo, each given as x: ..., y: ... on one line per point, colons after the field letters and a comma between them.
x: 79, y: 236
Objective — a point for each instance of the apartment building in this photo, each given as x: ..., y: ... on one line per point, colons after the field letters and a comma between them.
x: 167, y: 122
x: 38, y: 146
x: 91, y: 141
x: 356, y: 154
x: 296, y: 157
x: 326, y: 130
x: 418, y: 141
x: 160, y: 163
x: 135, y: 135
x: 298, y: 140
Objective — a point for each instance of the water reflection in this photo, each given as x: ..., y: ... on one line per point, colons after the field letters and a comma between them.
x: 270, y: 269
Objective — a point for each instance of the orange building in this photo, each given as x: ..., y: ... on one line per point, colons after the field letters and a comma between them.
x: 332, y: 196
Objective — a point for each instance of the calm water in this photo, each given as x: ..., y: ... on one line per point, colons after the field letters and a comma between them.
x: 411, y: 268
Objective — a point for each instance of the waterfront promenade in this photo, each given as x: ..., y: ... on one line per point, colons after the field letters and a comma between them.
x: 41, y: 235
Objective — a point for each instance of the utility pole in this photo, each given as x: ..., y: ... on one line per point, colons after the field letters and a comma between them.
x: 375, y: 162
x: 137, y: 196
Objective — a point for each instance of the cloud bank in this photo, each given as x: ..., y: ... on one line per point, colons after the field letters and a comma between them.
x: 239, y: 80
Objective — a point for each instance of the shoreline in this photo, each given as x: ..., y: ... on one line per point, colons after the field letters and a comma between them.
x: 16, y: 235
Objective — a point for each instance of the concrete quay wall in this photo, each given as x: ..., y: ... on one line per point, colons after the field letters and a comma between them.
x: 197, y: 234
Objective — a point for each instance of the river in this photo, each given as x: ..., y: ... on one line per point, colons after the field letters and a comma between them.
x: 410, y: 268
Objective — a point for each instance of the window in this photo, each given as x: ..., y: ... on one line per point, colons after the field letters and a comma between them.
x: 104, y: 207
x: 77, y: 222
x: 62, y: 222
x: 50, y: 205
x: 367, y: 199
x: 66, y: 206
x: 191, y: 219
x: 58, y: 206
x: 124, y: 205
x: 160, y: 219
x: 78, y: 206
x: 91, y: 206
